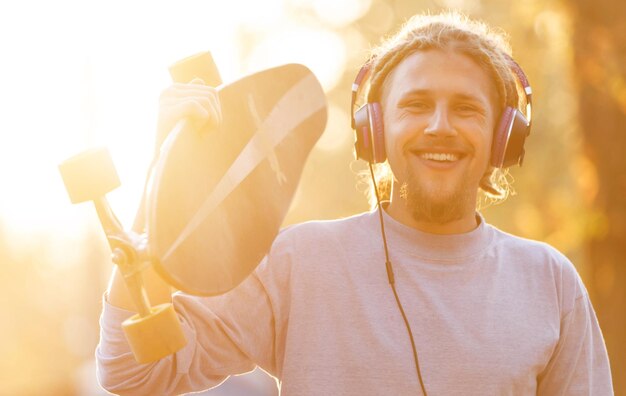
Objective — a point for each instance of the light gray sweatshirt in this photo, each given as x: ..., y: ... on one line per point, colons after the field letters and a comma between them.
x: 491, y: 313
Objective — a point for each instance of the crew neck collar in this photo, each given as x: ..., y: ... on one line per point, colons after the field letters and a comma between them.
x: 438, y: 247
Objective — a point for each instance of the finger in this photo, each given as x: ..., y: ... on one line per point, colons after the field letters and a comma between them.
x: 197, y: 81
x: 215, y: 108
x: 194, y: 84
x: 168, y: 118
x: 204, y: 113
x: 207, y: 97
x: 189, y: 109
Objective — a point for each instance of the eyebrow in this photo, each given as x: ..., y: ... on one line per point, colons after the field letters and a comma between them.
x: 426, y: 92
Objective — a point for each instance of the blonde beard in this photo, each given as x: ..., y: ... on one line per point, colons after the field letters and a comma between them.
x: 423, y: 208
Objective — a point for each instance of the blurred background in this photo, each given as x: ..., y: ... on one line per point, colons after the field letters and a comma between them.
x: 78, y: 74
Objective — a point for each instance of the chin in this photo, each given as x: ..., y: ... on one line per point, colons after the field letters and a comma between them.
x: 437, y: 206
x: 436, y: 212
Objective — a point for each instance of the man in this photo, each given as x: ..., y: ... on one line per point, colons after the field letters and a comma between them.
x: 439, y: 303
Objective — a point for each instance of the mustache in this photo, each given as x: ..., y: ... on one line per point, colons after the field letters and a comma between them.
x: 444, y: 145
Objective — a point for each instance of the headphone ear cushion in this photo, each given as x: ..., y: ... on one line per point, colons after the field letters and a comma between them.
x: 378, y: 133
x: 501, y: 136
x: 370, y: 136
x: 520, y: 129
x: 363, y: 144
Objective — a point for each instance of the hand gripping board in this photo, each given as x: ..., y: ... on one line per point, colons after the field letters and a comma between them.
x: 218, y: 197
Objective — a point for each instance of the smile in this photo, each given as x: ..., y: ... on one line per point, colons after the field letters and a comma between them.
x: 439, y: 160
x: 447, y: 157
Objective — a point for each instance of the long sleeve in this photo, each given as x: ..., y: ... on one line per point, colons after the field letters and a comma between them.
x: 579, y: 364
x: 228, y: 334
x: 491, y: 314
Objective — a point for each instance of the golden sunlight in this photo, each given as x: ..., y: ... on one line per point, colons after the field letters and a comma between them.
x: 83, y: 74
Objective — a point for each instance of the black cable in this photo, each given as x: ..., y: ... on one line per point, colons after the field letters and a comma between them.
x: 392, y: 282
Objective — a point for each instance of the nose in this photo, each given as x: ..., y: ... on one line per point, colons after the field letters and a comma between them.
x: 439, y: 123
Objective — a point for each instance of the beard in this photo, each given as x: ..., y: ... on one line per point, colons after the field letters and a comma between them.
x: 437, y: 204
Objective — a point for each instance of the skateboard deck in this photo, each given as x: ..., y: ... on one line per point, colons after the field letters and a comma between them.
x: 217, y: 198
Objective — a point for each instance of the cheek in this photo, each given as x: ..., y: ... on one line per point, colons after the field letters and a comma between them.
x: 490, y: 129
x: 487, y: 143
x: 481, y: 137
x: 399, y: 130
x: 393, y: 149
x: 483, y: 150
x: 395, y: 157
x: 488, y: 138
x: 396, y: 140
x: 392, y: 136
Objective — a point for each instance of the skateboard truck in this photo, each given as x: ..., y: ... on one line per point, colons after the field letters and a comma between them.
x: 154, y: 332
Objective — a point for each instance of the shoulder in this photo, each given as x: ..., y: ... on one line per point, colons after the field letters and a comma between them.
x: 528, y: 249
x: 542, y: 263
x: 314, y: 234
x: 317, y: 240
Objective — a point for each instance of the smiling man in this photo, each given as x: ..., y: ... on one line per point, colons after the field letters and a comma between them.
x: 419, y: 296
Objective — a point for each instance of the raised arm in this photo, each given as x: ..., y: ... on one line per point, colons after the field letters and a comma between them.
x: 199, y: 104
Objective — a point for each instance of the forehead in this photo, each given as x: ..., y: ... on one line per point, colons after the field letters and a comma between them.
x: 440, y: 72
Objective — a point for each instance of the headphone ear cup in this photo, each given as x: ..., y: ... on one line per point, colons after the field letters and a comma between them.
x: 520, y: 129
x: 370, y: 137
x: 378, y: 132
x: 500, y: 137
x: 363, y: 142
x: 508, y: 141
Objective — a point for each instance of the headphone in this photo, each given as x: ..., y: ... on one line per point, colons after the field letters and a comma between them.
x: 509, y: 136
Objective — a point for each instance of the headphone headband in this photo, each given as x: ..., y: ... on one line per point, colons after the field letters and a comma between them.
x: 363, y: 74
x: 528, y: 91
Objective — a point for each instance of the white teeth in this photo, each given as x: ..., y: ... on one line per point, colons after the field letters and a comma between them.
x: 440, y: 156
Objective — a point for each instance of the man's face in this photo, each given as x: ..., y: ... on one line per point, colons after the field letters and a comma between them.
x: 439, y: 115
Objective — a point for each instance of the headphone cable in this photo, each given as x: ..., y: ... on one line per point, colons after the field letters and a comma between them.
x: 392, y: 281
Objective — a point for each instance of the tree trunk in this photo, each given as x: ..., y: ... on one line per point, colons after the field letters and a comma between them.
x: 599, y: 42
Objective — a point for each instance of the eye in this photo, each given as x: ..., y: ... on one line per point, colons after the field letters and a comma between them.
x: 468, y: 109
x: 465, y: 107
x: 417, y: 105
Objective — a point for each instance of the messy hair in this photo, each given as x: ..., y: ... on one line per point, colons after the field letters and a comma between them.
x: 474, y: 39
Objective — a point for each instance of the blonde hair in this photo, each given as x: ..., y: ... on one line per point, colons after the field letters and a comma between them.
x: 474, y: 39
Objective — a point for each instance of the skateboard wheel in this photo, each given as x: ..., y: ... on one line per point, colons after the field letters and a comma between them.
x: 89, y: 175
x: 155, y: 336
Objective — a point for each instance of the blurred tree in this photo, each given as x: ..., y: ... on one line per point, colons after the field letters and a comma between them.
x: 599, y: 42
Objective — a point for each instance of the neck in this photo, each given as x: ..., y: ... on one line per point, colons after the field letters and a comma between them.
x: 398, y: 211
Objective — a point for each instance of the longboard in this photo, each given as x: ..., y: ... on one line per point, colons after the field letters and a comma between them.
x: 217, y: 198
